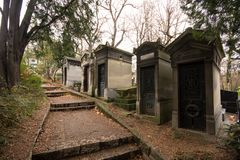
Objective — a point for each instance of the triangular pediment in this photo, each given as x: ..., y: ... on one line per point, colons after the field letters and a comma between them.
x: 148, y: 46
x: 188, y: 45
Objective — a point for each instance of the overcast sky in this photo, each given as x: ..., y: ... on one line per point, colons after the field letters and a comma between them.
x: 127, y: 12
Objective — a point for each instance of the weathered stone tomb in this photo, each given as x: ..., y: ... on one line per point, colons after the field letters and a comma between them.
x: 154, y: 81
x: 71, y: 71
x: 113, y: 70
x: 195, y: 62
x: 87, y: 66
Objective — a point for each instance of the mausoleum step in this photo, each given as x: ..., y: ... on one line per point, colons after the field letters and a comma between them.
x: 125, y: 145
x: 124, y: 152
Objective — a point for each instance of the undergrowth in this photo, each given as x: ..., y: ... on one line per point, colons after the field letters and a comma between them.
x: 233, y: 139
x: 19, y: 102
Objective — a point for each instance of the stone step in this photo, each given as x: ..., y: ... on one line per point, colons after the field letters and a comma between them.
x: 72, y: 108
x: 50, y: 88
x: 123, y: 152
x: 82, y: 149
x: 72, y: 104
x: 55, y: 93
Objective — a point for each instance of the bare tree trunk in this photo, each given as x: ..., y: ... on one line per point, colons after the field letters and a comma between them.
x: 3, y: 47
x: 3, y: 75
x: 54, y: 74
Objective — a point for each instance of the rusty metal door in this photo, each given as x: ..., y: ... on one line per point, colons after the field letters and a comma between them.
x: 192, y: 104
x: 147, y: 90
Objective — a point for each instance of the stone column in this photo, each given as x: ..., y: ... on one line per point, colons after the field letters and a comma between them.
x: 210, y: 124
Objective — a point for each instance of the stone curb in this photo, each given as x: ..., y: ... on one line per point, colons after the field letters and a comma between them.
x: 150, y: 152
x: 39, y: 130
x: 82, y: 149
x: 145, y: 147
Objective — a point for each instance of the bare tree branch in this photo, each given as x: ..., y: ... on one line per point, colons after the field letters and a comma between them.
x: 161, y: 20
x: 121, y: 39
x: 115, y: 10
x: 27, y: 17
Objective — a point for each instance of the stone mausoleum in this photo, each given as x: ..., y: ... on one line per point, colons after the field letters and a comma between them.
x: 71, y: 71
x: 154, y: 81
x: 195, y: 59
x: 113, y: 71
x: 88, y: 67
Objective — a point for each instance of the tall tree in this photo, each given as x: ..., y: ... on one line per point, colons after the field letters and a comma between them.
x: 15, y: 34
x: 220, y: 18
x: 118, y: 27
x: 51, y: 52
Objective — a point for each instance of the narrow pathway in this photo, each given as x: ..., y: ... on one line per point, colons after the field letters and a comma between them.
x: 75, y: 129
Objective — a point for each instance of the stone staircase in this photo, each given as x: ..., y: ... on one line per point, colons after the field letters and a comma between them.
x: 114, y: 148
x: 117, y: 149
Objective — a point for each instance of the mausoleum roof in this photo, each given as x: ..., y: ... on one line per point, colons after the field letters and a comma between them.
x: 102, y: 47
x: 148, y: 45
x: 195, y: 36
x: 72, y: 59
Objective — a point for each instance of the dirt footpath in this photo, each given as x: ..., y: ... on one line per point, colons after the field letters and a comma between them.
x: 74, y: 128
x: 21, y: 138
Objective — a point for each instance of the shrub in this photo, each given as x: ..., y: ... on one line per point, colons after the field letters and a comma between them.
x: 29, y: 78
x: 233, y: 139
x: 20, y: 101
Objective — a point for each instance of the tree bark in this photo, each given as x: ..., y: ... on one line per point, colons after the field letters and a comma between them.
x: 13, y: 44
x: 3, y: 47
